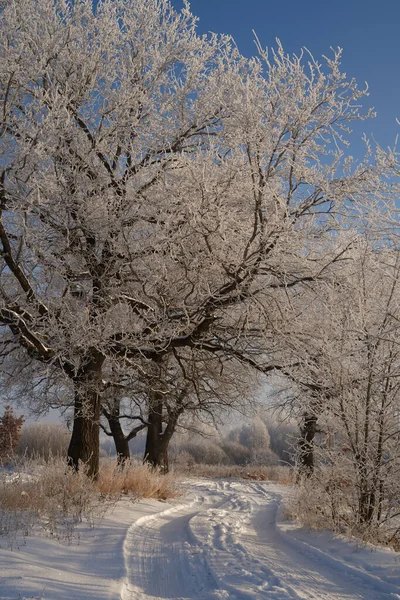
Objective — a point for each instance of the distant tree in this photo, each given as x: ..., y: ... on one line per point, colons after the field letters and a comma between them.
x: 250, y: 444
x: 282, y: 439
x: 43, y: 440
x: 236, y: 453
x: 10, y: 432
x: 206, y: 451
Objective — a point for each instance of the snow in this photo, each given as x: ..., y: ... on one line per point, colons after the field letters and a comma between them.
x: 224, y: 540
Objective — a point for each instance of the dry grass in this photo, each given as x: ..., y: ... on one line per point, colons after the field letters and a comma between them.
x: 136, y: 479
x: 49, y: 496
x: 320, y: 504
x: 52, y: 498
x: 283, y: 475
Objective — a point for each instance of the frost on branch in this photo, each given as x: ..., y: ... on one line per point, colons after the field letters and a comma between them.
x: 159, y: 192
x: 349, y: 382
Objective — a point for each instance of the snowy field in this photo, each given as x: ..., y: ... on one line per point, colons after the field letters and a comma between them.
x: 224, y: 540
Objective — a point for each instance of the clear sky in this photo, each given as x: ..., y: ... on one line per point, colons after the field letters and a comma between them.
x: 367, y: 30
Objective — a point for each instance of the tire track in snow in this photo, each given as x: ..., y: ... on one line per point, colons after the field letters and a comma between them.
x: 313, y: 573
x: 224, y: 544
x: 162, y: 558
x: 241, y: 575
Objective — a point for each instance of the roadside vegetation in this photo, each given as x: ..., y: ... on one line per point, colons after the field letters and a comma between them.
x: 50, y: 498
x: 181, y: 228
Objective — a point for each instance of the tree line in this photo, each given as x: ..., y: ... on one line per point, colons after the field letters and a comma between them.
x: 179, y: 222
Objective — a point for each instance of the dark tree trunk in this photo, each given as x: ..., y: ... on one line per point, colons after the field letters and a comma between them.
x: 121, y: 442
x: 155, y: 454
x: 84, y: 443
x: 308, y: 431
x: 157, y: 440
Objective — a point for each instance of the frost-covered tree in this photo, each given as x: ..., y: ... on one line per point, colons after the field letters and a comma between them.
x: 180, y: 387
x: 353, y: 368
x: 254, y: 439
x: 99, y: 110
x: 43, y: 441
x: 158, y: 191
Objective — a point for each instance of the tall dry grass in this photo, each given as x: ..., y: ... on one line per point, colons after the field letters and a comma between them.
x: 47, y: 496
x: 331, y: 503
x: 50, y: 497
x: 137, y: 479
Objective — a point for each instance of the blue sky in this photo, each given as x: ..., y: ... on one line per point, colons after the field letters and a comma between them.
x: 367, y: 30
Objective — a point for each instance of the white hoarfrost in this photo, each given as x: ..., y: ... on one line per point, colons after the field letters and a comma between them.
x: 223, y: 540
x: 162, y: 201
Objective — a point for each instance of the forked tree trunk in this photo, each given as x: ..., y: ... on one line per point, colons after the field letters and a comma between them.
x: 120, y: 440
x: 84, y: 443
x: 157, y: 440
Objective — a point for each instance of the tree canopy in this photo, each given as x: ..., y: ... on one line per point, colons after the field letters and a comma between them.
x: 159, y: 192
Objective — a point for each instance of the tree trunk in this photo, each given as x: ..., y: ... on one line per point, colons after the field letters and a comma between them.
x: 366, y: 505
x: 157, y: 440
x: 308, y: 431
x: 84, y: 443
x: 120, y: 441
x: 156, y: 454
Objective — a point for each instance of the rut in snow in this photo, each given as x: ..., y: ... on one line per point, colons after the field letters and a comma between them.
x: 223, y: 543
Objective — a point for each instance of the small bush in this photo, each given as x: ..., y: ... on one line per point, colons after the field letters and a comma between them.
x: 329, y: 500
x: 52, y: 497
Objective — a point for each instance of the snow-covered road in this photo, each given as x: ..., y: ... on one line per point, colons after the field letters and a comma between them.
x: 224, y: 543
x: 223, y: 540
